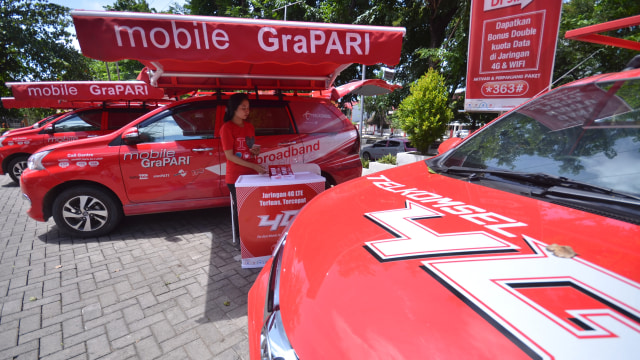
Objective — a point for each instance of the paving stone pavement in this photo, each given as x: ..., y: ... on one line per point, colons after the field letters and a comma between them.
x: 163, y: 286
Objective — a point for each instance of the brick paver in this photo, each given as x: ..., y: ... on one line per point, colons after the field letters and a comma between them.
x: 164, y: 286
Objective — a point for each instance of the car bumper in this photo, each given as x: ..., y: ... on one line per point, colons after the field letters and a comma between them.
x: 343, y: 169
x: 34, y: 186
x: 2, y: 158
x: 256, y: 310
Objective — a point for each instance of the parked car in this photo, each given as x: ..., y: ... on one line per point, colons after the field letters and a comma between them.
x: 171, y: 159
x: 38, y: 124
x: 18, y: 145
x: 385, y: 147
x: 523, y: 241
x: 462, y: 133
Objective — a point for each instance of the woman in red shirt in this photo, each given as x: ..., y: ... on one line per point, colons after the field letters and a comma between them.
x: 238, y: 143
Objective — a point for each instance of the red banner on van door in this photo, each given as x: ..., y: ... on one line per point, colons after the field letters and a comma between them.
x: 511, y: 52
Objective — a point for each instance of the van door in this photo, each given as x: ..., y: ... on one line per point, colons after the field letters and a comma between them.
x: 178, y: 157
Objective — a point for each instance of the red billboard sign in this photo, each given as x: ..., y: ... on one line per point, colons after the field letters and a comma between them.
x: 511, y: 52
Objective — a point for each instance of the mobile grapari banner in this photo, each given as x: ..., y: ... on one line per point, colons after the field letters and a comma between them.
x: 84, y: 91
x: 111, y: 36
x: 512, y: 45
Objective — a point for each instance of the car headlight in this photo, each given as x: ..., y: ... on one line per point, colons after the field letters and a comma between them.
x: 274, y: 343
x: 2, y: 139
x: 35, y: 161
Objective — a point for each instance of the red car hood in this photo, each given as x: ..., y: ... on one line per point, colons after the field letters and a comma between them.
x: 417, y: 264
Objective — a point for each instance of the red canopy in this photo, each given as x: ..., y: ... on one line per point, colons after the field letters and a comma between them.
x: 593, y: 33
x: 368, y: 87
x: 92, y: 91
x: 234, y: 53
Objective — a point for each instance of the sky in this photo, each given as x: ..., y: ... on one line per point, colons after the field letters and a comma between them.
x: 159, y: 5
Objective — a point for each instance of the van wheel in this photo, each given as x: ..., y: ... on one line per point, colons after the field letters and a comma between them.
x: 86, y: 211
x: 366, y: 156
x: 16, y: 167
x: 329, y: 184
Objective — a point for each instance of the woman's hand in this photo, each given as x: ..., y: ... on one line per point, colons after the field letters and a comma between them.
x: 255, y: 150
x: 259, y: 169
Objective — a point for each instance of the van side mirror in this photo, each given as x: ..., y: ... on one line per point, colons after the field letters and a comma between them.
x: 449, y: 144
x: 131, y: 136
x: 47, y: 129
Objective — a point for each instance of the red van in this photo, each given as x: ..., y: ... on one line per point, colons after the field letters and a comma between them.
x: 40, y: 123
x: 171, y: 159
x: 101, y: 107
x: 521, y: 242
x: 18, y: 145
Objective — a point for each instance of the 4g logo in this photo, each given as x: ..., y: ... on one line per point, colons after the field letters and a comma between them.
x: 280, y: 221
x: 550, y: 307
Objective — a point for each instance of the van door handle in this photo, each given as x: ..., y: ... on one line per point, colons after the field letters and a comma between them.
x: 288, y: 143
x: 203, y: 149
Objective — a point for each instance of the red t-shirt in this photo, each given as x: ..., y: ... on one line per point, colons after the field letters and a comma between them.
x: 239, y: 139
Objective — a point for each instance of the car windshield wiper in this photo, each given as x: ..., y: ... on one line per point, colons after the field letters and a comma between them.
x: 554, y: 185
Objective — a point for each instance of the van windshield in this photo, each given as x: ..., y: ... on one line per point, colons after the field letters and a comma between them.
x: 588, y: 133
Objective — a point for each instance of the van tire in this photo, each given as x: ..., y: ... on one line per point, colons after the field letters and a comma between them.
x: 16, y: 166
x: 86, y: 211
x: 366, y: 156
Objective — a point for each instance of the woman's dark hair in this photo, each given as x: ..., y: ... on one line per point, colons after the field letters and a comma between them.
x: 234, y: 101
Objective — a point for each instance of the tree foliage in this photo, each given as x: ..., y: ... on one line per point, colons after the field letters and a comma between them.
x: 130, y: 5
x: 425, y: 113
x: 35, y: 45
x: 378, y: 106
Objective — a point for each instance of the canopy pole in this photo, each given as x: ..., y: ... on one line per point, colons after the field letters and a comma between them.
x: 364, y: 70
x: 156, y: 74
x: 285, y: 8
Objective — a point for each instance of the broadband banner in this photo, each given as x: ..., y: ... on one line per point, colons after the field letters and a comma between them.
x: 511, y: 52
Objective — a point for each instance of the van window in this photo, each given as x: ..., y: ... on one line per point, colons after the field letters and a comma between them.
x: 313, y: 117
x: 82, y: 121
x: 270, y: 120
x: 121, y: 117
x: 189, y: 124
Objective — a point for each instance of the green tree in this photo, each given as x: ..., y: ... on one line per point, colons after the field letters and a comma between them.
x: 35, y: 45
x: 235, y: 8
x: 425, y: 113
x: 130, y: 5
x: 378, y: 106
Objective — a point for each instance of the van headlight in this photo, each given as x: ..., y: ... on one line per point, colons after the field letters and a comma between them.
x: 274, y: 343
x: 35, y: 161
